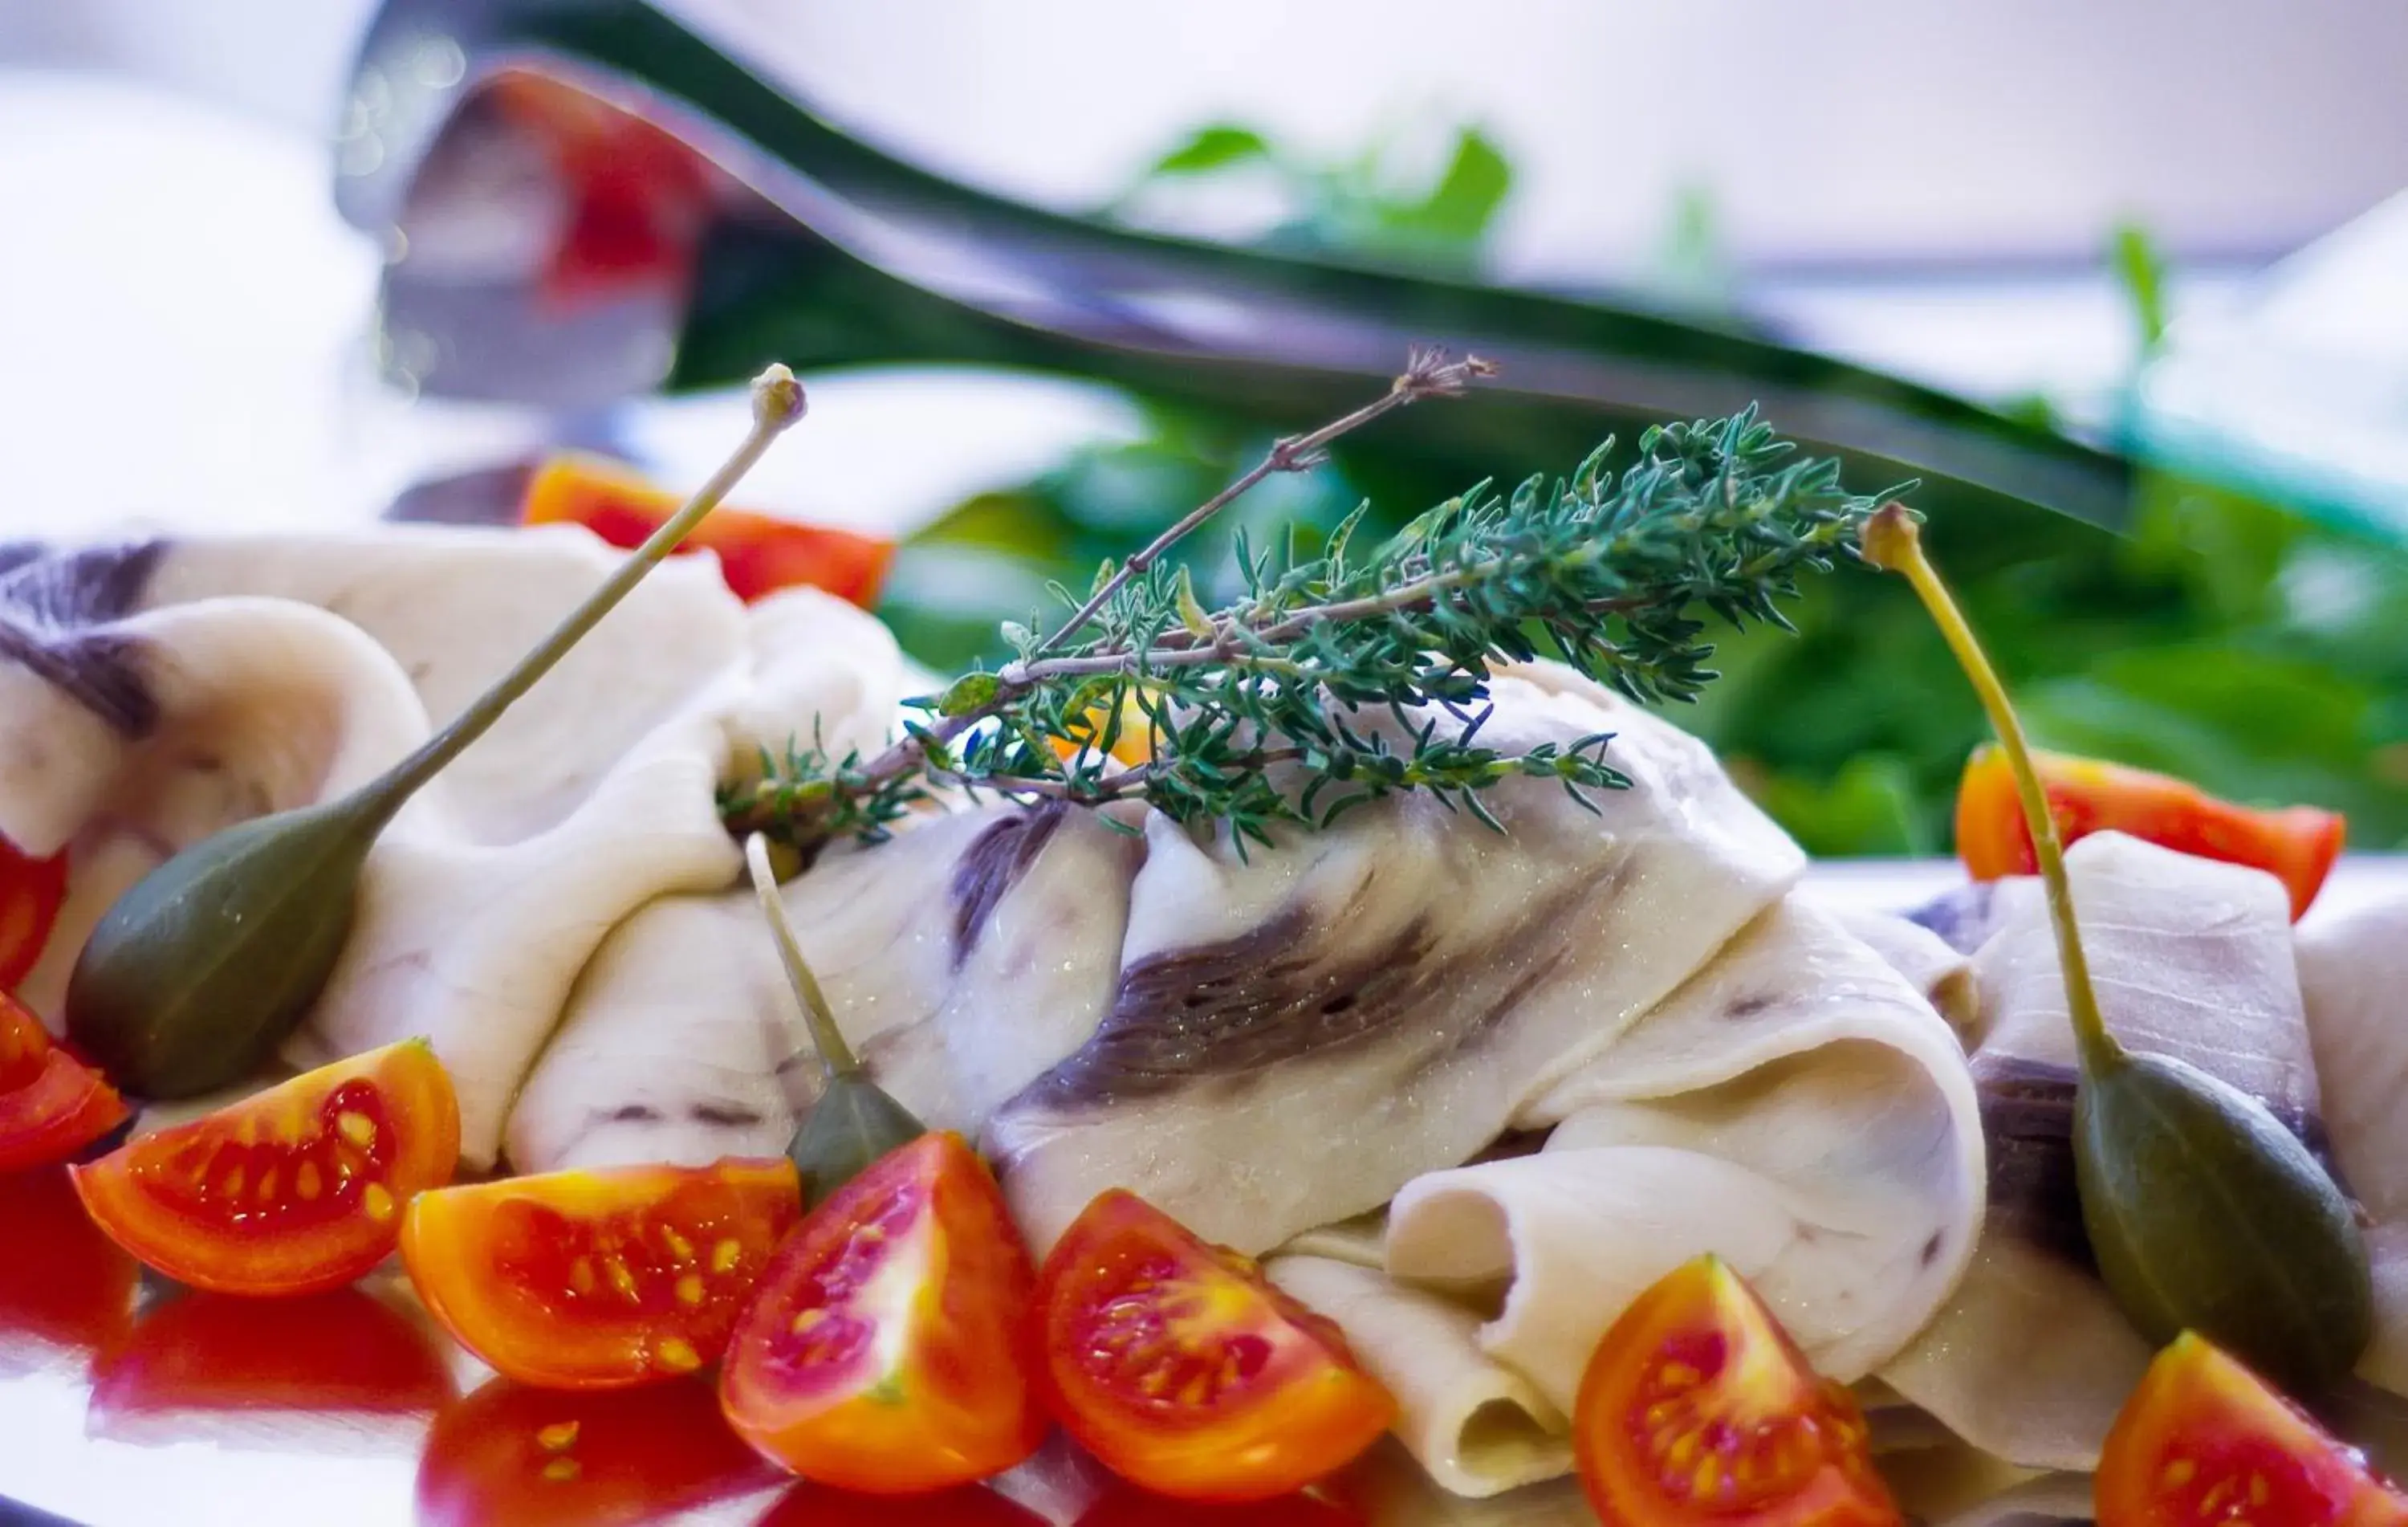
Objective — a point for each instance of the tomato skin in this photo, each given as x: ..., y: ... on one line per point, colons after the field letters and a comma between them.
x: 30, y: 893
x: 1185, y: 1371
x: 205, y: 1353
x: 512, y: 1456
x: 2296, y: 844
x: 535, y: 1275
x: 920, y: 1251
x: 1698, y: 1407
x: 2203, y: 1440
x: 295, y: 1189
x: 52, y: 1104
x: 758, y: 554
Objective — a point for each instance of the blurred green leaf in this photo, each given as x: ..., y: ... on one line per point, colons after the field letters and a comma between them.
x: 1216, y: 146
x: 1467, y: 196
x: 2141, y: 270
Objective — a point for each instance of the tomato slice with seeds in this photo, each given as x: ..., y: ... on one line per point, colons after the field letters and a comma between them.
x: 887, y: 1350
x: 295, y: 1189
x: 2203, y: 1440
x: 512, y: 1456
x: 1698, y: 1407
x: 1180, y: 1367
x: 599, y: 1280
x: 52, y: 1104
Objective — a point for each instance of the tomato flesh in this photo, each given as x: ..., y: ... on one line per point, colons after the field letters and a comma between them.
x: 296, y: 1189
x: 886, y: 1350
x: 1696, y: 1408
x: 2203, y: 1440
x: 30, y: 893
x: 52, y: 1104
x: 599, y: 1280
x: 1180, y: 1367
x: 758, y: 554
x: 512, y: 1456
x: 2296, y: 844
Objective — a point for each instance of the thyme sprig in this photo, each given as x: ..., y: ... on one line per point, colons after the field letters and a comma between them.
x: 1263, y: 713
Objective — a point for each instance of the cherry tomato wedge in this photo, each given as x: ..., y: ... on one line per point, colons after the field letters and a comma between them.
x: 887, y: 1350
x: 512, y: 1456
x: 2296, y: 844
x: 30, y: 893
x: 758, y: 554
x: 1184, y: 1371
x: 298, y: 1188
x: 2203, y: 1439
x: 52, y: 1104
x: 1698, y: 1407
x: 201, y: 1354
x: 599, y: 1280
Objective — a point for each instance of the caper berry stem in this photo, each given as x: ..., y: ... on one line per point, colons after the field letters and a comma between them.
x: 835, y: 1056
x: 778, y: 402
x: 1893, y: 541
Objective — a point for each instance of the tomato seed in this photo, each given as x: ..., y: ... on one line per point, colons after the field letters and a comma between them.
x: 558, y: 1437
x: 378, y: 1201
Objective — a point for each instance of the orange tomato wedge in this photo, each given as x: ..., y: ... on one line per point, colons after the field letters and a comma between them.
x: 1184, y: 1371
x: 2203, y: 1440
x: 599, y: 1280
x: 52, y: 1104
x: 30, y: 893
x: 2296, y: 845
x: 887, y: 1349
x: 758, y: 554
x: 1696, y: 1408
x: 298, y: 1188
x: 512, y: 1456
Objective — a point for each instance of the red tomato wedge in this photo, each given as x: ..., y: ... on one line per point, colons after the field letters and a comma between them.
x: 1184, y: 1371
x: 201, y: 1354
x: 52, y: 1104
x: 296, y: 1189
x: 511, y: 1456
x: 887, y: 1349
x: 62, y: 1284
x: 758, y: 554
x: 2296, y: 844
x: 2203, y: 1440
x: 30, y: 893
x: 599, y: 1280
x: 1696, y: 1408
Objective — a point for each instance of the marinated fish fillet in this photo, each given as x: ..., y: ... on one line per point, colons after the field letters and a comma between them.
x: 153, y: 694
x: 2028, y: 1359
x: 1297, y: 1034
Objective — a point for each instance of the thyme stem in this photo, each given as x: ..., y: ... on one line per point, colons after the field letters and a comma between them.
x: 1892, y: 541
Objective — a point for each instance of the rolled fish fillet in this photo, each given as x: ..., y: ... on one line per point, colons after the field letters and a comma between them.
x: 960, y: 959
x: 2353, y: 971
x: 1795, y: 1108
x: 153, y: 694
x: 1476, y: 1426
x: 1930, y: 963
x: 1299, y: 1033
x: 2028, y: 1359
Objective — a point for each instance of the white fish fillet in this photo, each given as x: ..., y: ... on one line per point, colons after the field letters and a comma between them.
x: 1298, y: 1034
x: 2029, y: 1360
